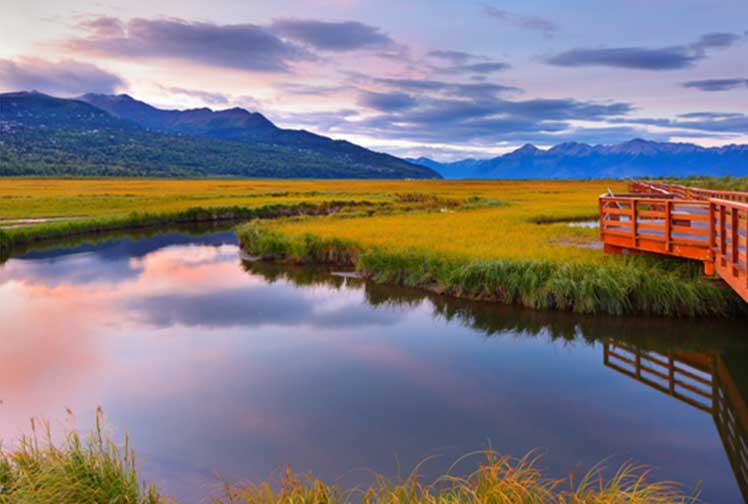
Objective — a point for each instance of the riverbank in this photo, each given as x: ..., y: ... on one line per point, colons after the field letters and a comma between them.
x: 23, y: 237
x: 91, y: 469
x: 628, y: 286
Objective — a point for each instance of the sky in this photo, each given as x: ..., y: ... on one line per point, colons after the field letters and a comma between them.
x: 447, y: 79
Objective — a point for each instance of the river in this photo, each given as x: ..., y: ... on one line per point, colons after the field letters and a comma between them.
x: 212, y: 364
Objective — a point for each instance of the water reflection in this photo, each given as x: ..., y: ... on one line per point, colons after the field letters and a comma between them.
x: 704, y: 380
x: 214, y: 364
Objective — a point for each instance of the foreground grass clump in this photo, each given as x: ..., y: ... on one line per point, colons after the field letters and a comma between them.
x: 93, y: 470
x: 497, y: 480
x: 633, y: 286
x: 90, y: 470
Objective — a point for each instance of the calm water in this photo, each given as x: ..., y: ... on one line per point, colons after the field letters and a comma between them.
x: 214, y: 364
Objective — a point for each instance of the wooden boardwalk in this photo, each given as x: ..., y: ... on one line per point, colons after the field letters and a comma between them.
x: 675, y: 220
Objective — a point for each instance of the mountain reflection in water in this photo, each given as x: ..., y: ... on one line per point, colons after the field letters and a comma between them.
x: 242, y: 367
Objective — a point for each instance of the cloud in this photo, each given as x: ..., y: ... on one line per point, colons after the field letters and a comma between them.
x: 717, y: 84
x: 408, y: 84
x: 534, y: 23
x: 296, y: 88
x: 479, y: 68
x: 711, y: 122
x: 254, y: 307
x: 454, y: 57
x: 62, y: 78
x: 205, y: 96
x: 386, y: 102
x: 483, y: 89
x: 476, y: 114
x: 476, y: 118
x: 710, y: 115
x: 420, y: 86
x: 239, y: 46
x: 332, y: 36
x: 669, y: 58
x: 716, y: 40
x: 461, y: 63
x: 642, y: 58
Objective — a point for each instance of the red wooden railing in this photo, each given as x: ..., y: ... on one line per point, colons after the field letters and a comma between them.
x: 709, y: 226
x: 685, y: 192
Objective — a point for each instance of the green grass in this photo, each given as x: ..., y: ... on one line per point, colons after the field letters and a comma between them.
x: 635, y: 285
x: 94, y: 470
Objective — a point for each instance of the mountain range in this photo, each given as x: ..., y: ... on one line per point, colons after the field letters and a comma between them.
x: 107, y: 135
x: 102, y: 135
x: 572, y: 160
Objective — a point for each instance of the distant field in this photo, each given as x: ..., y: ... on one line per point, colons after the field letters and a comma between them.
x: 520, y: 226
x: 505, y: 225
x: 23, y: 198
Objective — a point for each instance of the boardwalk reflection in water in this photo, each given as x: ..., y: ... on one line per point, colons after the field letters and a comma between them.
x: 704, y: 380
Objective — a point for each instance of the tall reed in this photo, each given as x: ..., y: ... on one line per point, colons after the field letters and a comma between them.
x: 80, y: 470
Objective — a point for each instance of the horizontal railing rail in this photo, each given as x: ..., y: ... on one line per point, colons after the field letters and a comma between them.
x: 659, y: 225
x: 686, y: 192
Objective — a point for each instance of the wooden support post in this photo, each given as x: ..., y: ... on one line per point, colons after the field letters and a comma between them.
x: 709, y: 268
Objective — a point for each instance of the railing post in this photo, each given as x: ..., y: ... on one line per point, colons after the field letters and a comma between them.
x: 745, y: 264
x: 722, y: 231
x: 735, y: 234
x: 668, y: 225
x: 671, y: 373
x: 634, y: 224
x: 711, y: 253
x: 745, y: 229
x: 712, y: 234
x: 638, y: 364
